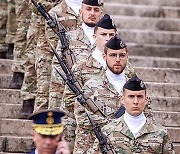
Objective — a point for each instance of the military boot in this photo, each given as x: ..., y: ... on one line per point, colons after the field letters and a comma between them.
x: 17, y: 80
x: 27, y: 108
x: 9, y: 54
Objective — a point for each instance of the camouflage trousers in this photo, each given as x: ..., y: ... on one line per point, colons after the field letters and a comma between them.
x: 11, y: 25
x: 43, y: 68
x: 3, y: 20
x: 28, y: 90
x: 23, y: 20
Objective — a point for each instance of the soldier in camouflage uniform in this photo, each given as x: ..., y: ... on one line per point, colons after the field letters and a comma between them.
x: 3, y: 20
x: 68, y: 18
x: 91, y: 66
x: 23, y: 20
x: 133, y: 132
x: 105, y: 89
x: 35, y: 43
x: 43, y: 62
x: 28, y: 89
x: 79, y: 44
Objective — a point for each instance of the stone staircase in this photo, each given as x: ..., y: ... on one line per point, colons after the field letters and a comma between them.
x: 151, y: 29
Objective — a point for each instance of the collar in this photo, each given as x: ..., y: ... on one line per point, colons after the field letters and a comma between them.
x: 146, y: 129
x: 88, y: 31
x: 91, y: 62
x: 98, y: 55
x: 75, y: 5
x: 107, y: 84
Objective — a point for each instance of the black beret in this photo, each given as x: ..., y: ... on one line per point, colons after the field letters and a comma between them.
x: 106, y: 22
x: 115, y: 43
x: 93, y: 2
x: 135, y: 84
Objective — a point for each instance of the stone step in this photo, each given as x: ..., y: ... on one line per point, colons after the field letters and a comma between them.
x: 174, y: 134
x: 163, y: 89
x: 142, y: 10
x: 10, y: 110
x: 160, y: 62
x: 146, y: 2
x: 5, y: 66
x: 153, y: 50
x: 150, y: 36
x: 5, y: 80
x: 165, y: 104
x: 168, y: 119
x: 16, y: 127
x: 15, y: 144
x: 11, y: 96
x: 148, y: 23
x: 158, y: 74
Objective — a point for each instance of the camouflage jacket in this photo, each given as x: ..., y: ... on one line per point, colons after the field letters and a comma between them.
x: 153, y: 138
x: 85, y: 70
x: 102, y: 92
x: 67, y: 18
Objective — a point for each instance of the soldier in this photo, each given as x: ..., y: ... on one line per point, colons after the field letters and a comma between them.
x: 45, y: 55
x: 133, y: 132
x: 23, y: 20
x: 35, y: 43
x: 105, y: 89
x: 47, y: 133
x: 80, y: 43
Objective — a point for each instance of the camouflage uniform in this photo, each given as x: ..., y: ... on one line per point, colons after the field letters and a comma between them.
x: 153, y: 138
x: 43, y: 62
x: 103, y: 93
x: 3, y: 20
x: 28, y: 90
x: 84, y: 71
x: 11, y: 21
x: 23, y: 20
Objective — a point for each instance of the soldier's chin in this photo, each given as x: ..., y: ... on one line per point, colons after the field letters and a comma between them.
x: 90, y: 24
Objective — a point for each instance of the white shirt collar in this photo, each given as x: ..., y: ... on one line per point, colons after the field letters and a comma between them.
x: 135, y: 123
x: 98, y: 55
x: 75, y: 5
x: 89, y: 31
x: 117, y: 80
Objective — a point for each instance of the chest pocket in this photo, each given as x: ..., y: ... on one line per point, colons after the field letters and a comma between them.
x: 153, y: 145
x: 106, y: 100
x: 69, y: 22
x: 120, y: 143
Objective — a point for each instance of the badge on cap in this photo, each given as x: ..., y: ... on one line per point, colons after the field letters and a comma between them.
x: 134, y: 84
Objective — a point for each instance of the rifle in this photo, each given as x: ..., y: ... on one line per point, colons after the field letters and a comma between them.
x: 58, y: 29
x: 45, y: 14
x: 75, y: 86
x: 105, y: 147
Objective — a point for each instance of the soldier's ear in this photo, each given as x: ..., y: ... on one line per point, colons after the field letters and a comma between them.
x: 94, y: 36
x: 80, y: 12
x: 104, y: 56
